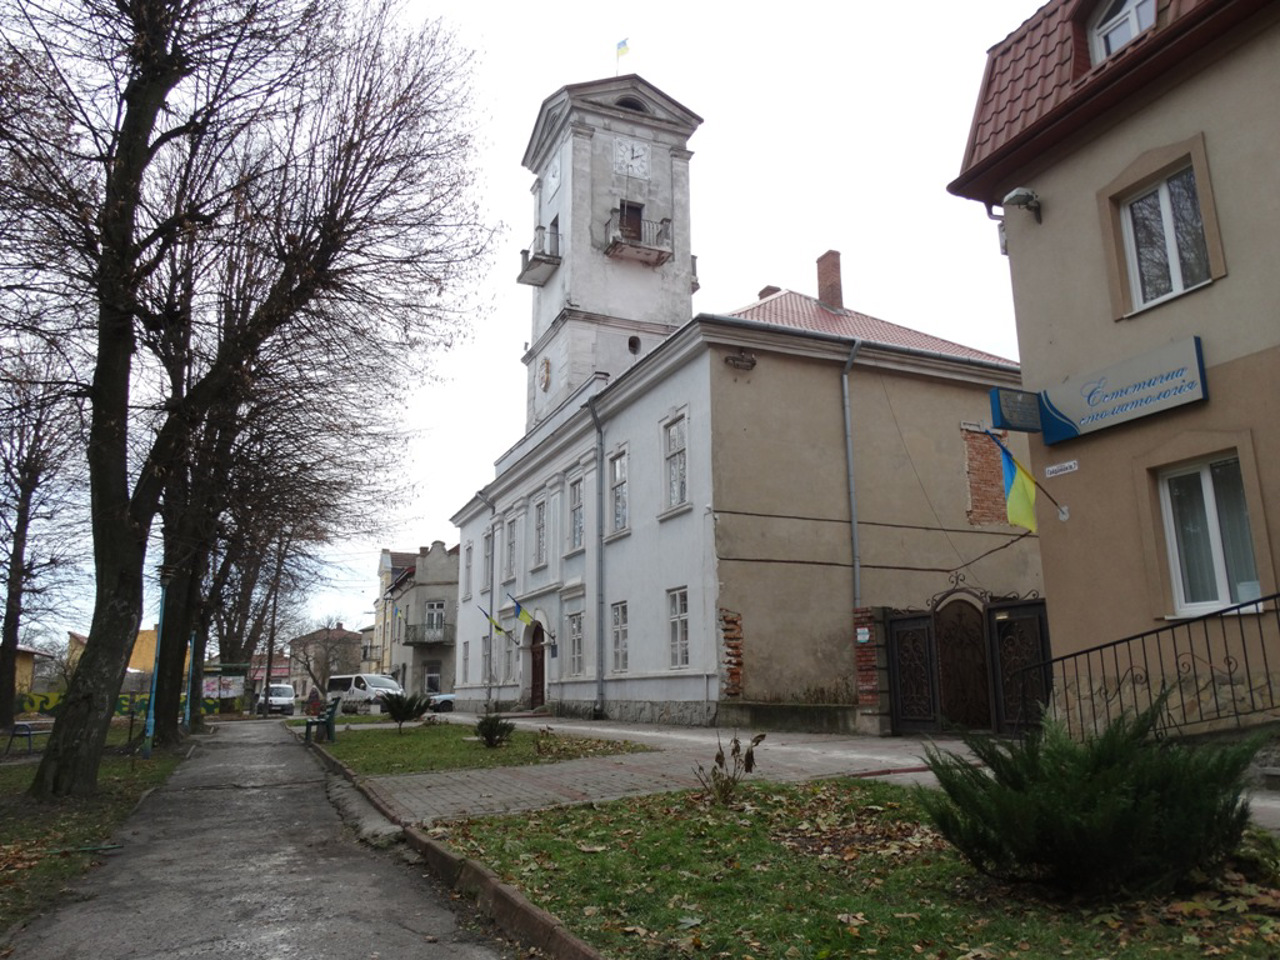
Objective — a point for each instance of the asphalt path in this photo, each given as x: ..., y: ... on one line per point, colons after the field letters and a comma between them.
x: 242, y: 853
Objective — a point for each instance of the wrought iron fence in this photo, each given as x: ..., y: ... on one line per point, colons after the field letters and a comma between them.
x: 1218, y: 670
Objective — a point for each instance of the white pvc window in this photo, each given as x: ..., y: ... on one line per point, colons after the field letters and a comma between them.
x: 575, y: 644
x: 576, y: 523
x: 1117, y: 23
x: 618, y: 491
x: 675, y: 436
x: 1164, y: 239
x: 1206, y: 522
x: 619, y: 629
x: 678, y: 623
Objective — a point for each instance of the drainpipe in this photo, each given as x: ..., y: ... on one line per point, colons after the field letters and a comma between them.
x: 598, y: 710
x: 848, y: 457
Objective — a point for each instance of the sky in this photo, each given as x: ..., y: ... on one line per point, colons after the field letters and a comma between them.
x: 834, y: 127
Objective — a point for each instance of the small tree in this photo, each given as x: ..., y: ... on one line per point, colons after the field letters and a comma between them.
x: 405, y: 707
x: 492, y: 730
x: 1121, y: 812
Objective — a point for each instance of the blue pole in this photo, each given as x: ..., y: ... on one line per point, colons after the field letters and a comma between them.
x: 150, y: 729
x: 191, y: 662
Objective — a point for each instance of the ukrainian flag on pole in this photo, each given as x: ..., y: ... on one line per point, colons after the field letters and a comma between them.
x: 1019, y: 490
x: 623, y: 49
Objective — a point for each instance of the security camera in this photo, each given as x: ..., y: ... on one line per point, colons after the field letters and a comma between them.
x: 1022, y: 197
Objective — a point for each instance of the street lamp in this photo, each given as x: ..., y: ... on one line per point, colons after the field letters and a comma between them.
x: 165, y: 575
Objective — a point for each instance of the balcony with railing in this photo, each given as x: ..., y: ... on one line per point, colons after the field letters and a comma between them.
x: 541, y: 259
x: 416, y: 634
x: 633, y: 238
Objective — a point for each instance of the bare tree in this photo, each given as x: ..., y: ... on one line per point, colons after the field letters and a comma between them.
x: 326, y: 651
x: 336, y: 148
x: 39, y: 433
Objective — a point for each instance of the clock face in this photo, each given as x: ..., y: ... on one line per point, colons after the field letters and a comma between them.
x: 631, y: 158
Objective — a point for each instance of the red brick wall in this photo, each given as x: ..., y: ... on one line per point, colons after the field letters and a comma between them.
x: 731, y: 633
x: 986, y: 479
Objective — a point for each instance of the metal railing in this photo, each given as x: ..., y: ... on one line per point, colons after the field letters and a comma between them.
x: 655, y: 234
x: 1217, y: 669
x: 435, y: 633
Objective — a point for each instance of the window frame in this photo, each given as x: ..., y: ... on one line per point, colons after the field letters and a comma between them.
x: 1203, y: 469
x: 619, y: 505
x: 1148, y: 170
x: 675, y: 459
x: 619, y: 633
x: 577, y: 515
x: 1169, y: 233
x: 486, y: 577
x: 433, y: 610
x: 678, y: 626
x: 466, y: 571
x: 574, y: 633
x: 1130, y: 14
x: 509, y: 559
x: 540, y: 534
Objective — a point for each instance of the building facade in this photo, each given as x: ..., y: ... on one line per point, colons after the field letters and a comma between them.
x: 419, y: 610
x: 1131, y: 147
x: 699, y: 506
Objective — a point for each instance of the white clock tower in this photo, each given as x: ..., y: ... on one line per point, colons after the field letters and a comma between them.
x: 611, y: 259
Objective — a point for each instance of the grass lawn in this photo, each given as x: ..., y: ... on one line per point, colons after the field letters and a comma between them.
x: 839, y: 868
x: 453, y: 746
x: 45, y: 846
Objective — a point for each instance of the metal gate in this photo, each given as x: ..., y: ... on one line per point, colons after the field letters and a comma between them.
x: 960, y: 662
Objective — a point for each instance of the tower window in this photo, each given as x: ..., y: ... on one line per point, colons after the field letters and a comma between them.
x: 631, y: 216
x: 633, y: 345
x: 631, y: 103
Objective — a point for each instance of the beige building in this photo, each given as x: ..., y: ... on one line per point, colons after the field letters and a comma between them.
x: 1132, y: 146
x: 418, y: 610
x: 787, y: 514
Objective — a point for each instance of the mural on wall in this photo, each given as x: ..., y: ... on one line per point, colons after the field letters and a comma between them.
x: 127, y: 704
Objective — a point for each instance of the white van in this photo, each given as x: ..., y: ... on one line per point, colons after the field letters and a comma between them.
x: 279, y: 699
x: 360, y: 688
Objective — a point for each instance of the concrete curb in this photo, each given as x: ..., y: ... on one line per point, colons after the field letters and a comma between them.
x: 502, y: 903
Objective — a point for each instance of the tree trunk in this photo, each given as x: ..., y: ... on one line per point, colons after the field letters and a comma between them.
x: 15, y: 578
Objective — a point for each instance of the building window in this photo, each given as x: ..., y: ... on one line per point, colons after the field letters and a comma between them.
x: 1117, y: 23
x: 486, y: 659
x: 433, y: 615
x: 1162, y: 236
x: 431, y: 677
x: 540, y: 534
x: 488, y: 562
x: 631, y: 220
x: 678, y: 625
x: 509, y: 562
x: 675, y: 440
x: 576, y: 524
x: 1164, y: 239
x: 575, y: 644
x: 619, y: 630
x: 508, y: 659
x: 1210, y: 543
x: 466, y: 660
x: 618, y: 491
x: 466, y: 572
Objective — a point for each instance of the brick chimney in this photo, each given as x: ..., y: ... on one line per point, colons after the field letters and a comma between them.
x: 829, y: 289
x: 768, y: 291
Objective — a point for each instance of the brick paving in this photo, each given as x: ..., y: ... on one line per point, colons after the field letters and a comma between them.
x: 421, y: 799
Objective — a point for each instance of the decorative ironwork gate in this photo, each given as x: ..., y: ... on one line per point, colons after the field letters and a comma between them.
x: 960, y: 662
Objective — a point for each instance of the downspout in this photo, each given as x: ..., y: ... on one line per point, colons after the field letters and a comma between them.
x: 848, y: 457
x: 598, y: 711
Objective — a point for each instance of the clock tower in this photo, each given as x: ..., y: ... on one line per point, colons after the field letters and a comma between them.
x: 610, y: 260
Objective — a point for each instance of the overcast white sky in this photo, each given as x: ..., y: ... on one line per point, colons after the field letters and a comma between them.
x: 831, y: 126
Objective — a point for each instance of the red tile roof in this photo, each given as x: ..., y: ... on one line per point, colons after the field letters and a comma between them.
x: 1040, y: 81
x: 786, y: 308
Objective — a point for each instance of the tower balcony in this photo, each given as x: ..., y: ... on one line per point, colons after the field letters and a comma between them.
x: 632, y: 238
x: 541, y: 260
x: 417, y: 634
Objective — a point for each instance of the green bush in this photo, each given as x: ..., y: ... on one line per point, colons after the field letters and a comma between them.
x: 405, y: 707
x: 492, y: 730
x: 1118, y: 813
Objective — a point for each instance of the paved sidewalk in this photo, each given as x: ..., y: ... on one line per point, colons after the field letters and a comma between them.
x: 423, y: 798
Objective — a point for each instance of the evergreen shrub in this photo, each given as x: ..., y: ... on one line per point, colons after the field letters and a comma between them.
x: 405, y: 707
x: 492, y: 730
x: 1118, y: 813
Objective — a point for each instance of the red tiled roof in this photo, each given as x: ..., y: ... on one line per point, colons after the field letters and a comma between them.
x: 1041, y: 75
x: 399, y: 561
x: 789, y: 309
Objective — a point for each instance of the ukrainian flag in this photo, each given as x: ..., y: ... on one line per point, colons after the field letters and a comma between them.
x: 623, y: 49
x: 1019, y: 491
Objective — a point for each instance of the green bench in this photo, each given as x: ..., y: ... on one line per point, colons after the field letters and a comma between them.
x: 324, y: 722
x: 28, y: 730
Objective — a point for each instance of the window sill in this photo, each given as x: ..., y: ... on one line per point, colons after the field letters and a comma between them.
x: 1252, y: 610
x: 537, y: 567
x: 575, y: 552
x: 677, y: 510
x: 1167, y: 298
x: 618, y: 535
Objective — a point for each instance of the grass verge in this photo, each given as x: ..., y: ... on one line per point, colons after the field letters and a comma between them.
x: 453, y: 746
x: 45, y: 846
x: 841, y: 868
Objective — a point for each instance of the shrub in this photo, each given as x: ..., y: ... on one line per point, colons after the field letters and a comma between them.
x: 405, y: 707
x: 726, y: 773
x: 1118, y: 813
x: 492, y: 730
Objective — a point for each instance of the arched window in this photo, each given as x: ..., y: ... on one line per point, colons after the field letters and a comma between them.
x: 1117, y: 22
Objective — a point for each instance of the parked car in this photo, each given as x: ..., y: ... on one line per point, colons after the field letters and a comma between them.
x: 442, y: 702
x: 360, y: 688
x: 279, y: 699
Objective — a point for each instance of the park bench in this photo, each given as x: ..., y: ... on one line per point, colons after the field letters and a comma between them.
x: 29, y: 730
x: 324, y: 722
